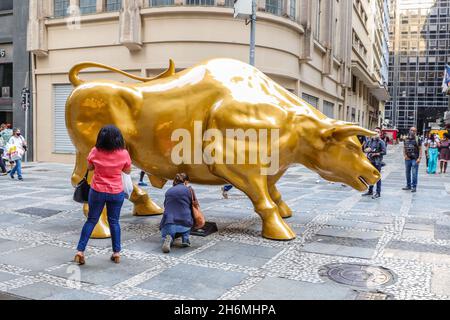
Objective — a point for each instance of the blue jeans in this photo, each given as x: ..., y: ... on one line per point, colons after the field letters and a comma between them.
x: 174, y: 230
x: 97, y: 201
x: 378, y: 167
x: 411, y: 168
x: 17, y: 168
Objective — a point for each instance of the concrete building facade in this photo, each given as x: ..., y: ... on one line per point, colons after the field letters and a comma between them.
x: 420, y: 37
x: 305, y: 45
x: 15, y: 67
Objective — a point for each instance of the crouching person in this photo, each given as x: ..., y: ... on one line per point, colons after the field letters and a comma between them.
x: 177, y: 219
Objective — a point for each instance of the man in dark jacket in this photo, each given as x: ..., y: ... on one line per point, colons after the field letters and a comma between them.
x: 375, y: 150
x: 412, y: 152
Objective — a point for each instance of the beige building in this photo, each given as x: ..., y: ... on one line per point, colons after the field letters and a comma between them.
x: 308, y: 46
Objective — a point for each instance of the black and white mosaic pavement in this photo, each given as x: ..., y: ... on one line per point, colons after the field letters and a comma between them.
x: 396, y: 247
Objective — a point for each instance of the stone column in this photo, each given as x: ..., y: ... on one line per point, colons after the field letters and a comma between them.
x: 261, y: 5
x: 305, y: 19
x: 130, y: 24
x: 36, y: 29
x: 346, y: 42
x: 101, y: 6
x: 327, y: 36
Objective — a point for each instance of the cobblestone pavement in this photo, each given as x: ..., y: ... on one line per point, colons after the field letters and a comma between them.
x: 396, y: 247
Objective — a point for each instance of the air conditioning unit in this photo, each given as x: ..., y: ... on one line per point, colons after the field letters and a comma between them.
x: 6, y: 92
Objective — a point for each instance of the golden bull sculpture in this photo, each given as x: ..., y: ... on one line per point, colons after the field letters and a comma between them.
x: 217, y: 95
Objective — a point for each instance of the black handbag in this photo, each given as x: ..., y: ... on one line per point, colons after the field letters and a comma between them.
x: 81, y: 193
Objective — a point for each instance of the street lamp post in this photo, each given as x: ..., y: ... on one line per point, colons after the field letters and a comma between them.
x: 245, y: 9
x: 252, y: 33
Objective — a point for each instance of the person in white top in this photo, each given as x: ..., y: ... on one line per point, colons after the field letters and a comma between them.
x: 18, y: 141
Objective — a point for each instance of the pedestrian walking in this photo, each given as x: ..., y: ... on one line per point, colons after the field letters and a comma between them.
x: 177, y: 218
x: 2, y: 150
x: 433, y: 154
x: 375, y: 149
x: 225, y: 190
x: 412, y: 152
x: 16, y: 148
x: 444, y: 153
x: 108, y: 159
x: 141, y: 179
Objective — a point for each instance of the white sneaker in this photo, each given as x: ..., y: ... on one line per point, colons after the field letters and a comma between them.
x: 166, y: 244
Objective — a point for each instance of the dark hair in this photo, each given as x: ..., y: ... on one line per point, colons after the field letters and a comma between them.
x: 447, y: 135
x: 180, y: 178
x: 110, y: 139
x: 377, y: 128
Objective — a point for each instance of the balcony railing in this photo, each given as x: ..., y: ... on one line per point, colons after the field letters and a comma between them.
x: 276, y: 7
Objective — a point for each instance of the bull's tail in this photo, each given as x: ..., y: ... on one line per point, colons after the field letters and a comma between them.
x: 76, y: 81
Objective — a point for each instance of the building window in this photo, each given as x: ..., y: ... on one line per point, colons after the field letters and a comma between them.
x: 161, y: 3
x: 318, y: 18
x: 113, y: 5
x: 200, y: 2
x: 314, y: 101
x: 60, y: 8
x: 88, y: 6
x: 274, y: 6
x: 6, y: 80
x: 328, y: 109
x: 6, y: 5
x: 293, y: 9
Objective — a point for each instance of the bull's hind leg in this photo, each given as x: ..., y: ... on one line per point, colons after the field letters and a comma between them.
x: 143, y: 205
x: 254, y: 185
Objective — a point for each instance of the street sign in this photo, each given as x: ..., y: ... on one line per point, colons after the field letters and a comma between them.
x: 242, y: 9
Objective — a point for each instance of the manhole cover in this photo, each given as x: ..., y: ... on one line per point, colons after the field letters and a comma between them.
x: 42, y: 212
x: 358, y: 275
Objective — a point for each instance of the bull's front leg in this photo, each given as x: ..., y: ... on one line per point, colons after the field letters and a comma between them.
x: 254, y: 185
x: 283, y: 208
x: 143, y: 205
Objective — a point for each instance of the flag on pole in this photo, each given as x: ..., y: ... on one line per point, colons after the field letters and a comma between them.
x: 446, y: 80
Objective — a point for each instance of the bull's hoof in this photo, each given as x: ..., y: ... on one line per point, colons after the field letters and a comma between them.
x: 143, y: 205
x: 101, y: 230
x: 284, y: 210
x: 149, y: 208
x: 276, y: 229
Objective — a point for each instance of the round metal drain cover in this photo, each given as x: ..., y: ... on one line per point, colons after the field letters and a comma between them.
x: 358, y: 275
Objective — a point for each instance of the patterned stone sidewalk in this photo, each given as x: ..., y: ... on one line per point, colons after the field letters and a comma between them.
x: 348, y: 247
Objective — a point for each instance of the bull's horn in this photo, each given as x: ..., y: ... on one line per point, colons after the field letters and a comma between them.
x: 342, y: 132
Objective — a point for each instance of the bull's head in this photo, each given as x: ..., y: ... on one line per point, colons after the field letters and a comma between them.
x: 332, y: 149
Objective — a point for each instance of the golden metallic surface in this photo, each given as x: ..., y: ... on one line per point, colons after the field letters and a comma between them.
x: 222, y: 94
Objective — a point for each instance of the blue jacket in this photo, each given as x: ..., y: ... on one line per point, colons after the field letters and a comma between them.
x: 178, y: 207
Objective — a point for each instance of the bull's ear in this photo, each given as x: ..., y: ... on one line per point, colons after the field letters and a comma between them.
x: 344, y: 131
